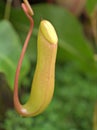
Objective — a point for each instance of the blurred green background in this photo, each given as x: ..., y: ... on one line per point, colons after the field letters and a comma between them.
x: 75, y: 96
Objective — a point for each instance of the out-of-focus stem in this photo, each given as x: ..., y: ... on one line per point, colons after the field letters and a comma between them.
x: 7, y: 9
x: 94, y: 23
x: 95, y: 118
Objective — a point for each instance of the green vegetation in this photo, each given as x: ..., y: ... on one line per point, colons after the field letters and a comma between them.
x: 71, y: 108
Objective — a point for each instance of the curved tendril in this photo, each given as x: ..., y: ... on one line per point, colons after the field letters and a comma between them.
x: 16, y: 99
x: 43, y: 80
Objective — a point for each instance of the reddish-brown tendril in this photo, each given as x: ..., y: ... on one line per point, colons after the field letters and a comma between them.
x: 16, y: 98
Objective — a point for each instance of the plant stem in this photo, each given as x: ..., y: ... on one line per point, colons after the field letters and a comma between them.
x: 95, y: 118
x: 7, y: 9
x: 94, y: 24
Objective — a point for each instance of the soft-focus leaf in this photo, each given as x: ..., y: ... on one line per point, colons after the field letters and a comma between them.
x: 90, y: 5
x: 72, y: 42
x: 10, y: 49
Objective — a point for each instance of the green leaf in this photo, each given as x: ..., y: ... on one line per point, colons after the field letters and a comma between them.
x: 72, y: 43
x: 10, y: 48
x: 91, y: 5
